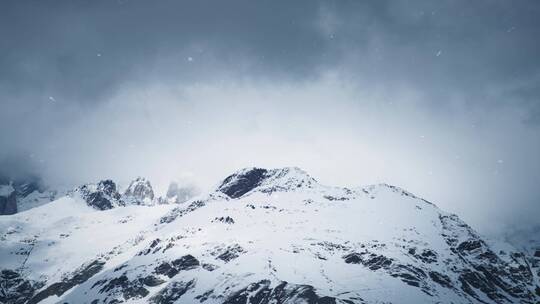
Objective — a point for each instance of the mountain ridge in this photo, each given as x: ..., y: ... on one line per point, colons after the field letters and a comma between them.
x: 262, y: 236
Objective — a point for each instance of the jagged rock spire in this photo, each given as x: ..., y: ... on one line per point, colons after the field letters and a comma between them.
x: 139, y: 192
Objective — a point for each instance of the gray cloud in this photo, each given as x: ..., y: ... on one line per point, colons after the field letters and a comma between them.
x: 439, y: 97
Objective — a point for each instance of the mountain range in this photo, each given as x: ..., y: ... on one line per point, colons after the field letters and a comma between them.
x: 261, y: 236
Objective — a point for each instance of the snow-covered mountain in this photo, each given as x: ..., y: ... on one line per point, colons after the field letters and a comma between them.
x: 263, y: 236
x: 20, y: 195
x: 139, y: 192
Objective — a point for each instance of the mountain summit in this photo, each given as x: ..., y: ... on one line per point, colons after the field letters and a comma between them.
x: 139, y: 192
x: 263, y: 236
x: 267, y: 181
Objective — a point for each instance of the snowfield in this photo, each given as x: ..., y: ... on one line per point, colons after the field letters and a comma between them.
x: 263, y: 236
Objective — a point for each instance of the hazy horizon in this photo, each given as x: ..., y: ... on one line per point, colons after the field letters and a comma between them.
x: 439, y: 98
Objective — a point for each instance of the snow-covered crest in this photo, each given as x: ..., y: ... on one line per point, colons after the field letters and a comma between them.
x: 102, y: 196
x: 257, y: 179
x: 265, y: 236
x: 139, y: 192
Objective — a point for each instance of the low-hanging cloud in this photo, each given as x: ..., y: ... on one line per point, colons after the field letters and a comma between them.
x: 439, y: 98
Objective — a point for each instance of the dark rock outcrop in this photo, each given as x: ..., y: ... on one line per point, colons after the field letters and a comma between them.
x: 78, y: 277
x: 265, y: 181
x: 485, y: 271
x: 426, y: 255
x: 229, y: 253
x: 128, y: 289
x: 370, y: 260
x: 8, y: 200
x: 181, y: 211
x: 15, y: 289
x: 241, y: 183
x: 261, y: 293
x: 441, y: 279
x: 409, y: 274
x: 225, y: 220
x: 184, y: 263
x: 172, y: 292
x: 102, y: 196
x: 23, y: 187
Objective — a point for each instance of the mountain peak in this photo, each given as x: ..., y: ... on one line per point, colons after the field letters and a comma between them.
x: 101, y: 196
x: 369, y: 245
x: 139, y: 192
x: 265, y: 180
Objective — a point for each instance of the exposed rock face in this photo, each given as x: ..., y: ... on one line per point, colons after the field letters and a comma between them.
x: 172, y: 292
x: 181, y: 211
x: 28, y: 193
x: 266, y: 181
x: 228, y: 253
x: 139, y: 192
x: 8, y: 200
x: 171, y: 269
x: 78, y: 277
x: 264, y: 237
x: 497, y: 276
x: 124, y: 287
x: 102, y: 196
x: 261, y: 293
x: 242, y: 182
x: 224, y: 219
x: 14, y: 288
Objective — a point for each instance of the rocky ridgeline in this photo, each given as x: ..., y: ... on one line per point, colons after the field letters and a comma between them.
x: 266, y: 181
x: 277, y: 236
x: 106, y: 195
x: 18, y: 196
x: 102, y: 196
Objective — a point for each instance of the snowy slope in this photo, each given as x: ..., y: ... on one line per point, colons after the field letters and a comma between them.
x: 263, y: 236
x: 527, y: 241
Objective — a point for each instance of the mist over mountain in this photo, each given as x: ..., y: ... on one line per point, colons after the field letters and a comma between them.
x: 261, y: 236
x: 440, y: 98
x: 126, y: 124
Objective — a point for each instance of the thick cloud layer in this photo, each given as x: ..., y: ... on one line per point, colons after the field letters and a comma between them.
x: 441, y: 98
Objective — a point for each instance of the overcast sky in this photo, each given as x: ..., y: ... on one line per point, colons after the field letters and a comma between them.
x: 441, y: 98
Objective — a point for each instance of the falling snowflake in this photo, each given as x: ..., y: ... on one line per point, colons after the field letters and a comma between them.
x: 52, y: 99
x: 438, y: 53
x: 190, y: 59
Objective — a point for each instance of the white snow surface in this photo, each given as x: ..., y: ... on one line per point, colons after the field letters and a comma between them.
x: 288, y: 228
